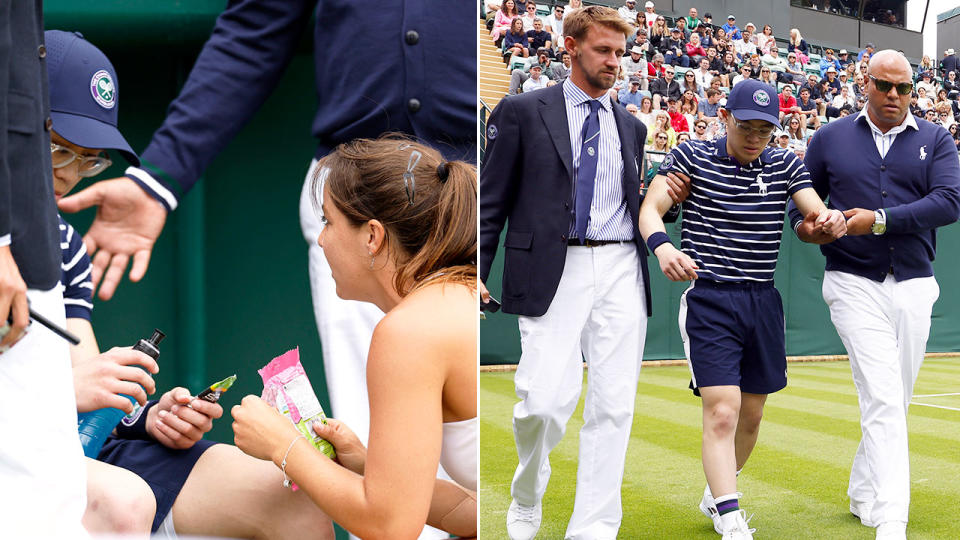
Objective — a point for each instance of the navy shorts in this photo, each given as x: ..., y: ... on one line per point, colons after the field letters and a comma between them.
x: 164, y: 469
x: 733, y: 334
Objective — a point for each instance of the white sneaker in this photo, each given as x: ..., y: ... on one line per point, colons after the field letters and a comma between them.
x: 892, y: 530
x: 523, y: 521
x: 862, y: 511
x: 709, y: 509
x: 737, y: 528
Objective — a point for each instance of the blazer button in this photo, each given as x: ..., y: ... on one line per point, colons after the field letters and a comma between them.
x: 47, y: 124
x: 883, y: 167
x: 884, y: 193
x: 413, y: 105
x: 42, y: 51
x: 566, y: 206
x: 412, y: 37
x: 563, y: 238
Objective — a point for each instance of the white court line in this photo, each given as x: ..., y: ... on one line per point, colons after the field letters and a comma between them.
x: 936, y: 395
x: 935, y: 406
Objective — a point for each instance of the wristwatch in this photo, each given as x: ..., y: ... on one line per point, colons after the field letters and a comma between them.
x: 879, y: 222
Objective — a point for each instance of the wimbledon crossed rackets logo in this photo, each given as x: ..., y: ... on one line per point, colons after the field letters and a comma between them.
x: 103, y: 90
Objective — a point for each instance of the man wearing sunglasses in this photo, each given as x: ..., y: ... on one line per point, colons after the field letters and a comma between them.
x: 879, y: 282
x: 731, y: 316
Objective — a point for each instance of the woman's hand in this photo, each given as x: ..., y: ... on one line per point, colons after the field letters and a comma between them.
x: 350, y: 451
x: 260, y: 431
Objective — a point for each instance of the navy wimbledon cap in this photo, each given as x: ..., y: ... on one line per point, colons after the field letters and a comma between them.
x: 83, y: 94
x: 751, y: 99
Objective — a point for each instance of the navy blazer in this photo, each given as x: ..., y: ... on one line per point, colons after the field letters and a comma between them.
x: 28, y: 211
x: 527, y: 178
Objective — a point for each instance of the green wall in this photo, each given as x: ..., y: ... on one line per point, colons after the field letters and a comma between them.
x: 798, y: 277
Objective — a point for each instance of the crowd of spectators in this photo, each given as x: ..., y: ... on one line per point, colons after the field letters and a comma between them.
x: 675, y: 78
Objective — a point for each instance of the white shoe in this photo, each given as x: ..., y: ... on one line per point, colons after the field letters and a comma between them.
x: 737, y: 528
x: 892, y: 530
x: 709, y: 509
x: 862, y: 511
x: 523, y: 521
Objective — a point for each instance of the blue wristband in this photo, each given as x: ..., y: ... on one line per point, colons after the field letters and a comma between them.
x: 656, y: 239
x: 138, y: 428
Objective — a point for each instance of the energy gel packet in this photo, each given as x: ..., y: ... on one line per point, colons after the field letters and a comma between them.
x: 212, y: 393
x: 286, y: 387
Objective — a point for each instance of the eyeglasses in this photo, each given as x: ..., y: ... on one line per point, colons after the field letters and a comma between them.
x: 885, y: 86
x: 662, y: 137
x: 747, y: 131
x: 701, y: 126
x: 61, y: 156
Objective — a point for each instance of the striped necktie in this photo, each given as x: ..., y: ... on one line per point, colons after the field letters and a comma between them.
x: 587, y: 172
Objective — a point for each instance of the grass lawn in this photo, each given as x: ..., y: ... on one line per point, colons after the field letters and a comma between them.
x: 794, y: 484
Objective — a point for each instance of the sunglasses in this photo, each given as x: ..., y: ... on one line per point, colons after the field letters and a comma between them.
x: 885, y: 86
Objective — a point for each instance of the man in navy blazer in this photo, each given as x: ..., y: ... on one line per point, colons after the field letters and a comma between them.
x: 580, y: 286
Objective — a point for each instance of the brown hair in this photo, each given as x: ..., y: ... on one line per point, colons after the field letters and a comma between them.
x: 577, y: 23
x: 436, y: 234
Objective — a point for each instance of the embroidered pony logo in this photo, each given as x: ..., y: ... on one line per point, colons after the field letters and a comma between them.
x: 923, y: 152
x: 763, y: 187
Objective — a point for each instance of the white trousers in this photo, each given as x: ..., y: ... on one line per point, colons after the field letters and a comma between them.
x: 43, y: 476
x: 598, y: 314
x: 884, y: 327
x: 346, y: 328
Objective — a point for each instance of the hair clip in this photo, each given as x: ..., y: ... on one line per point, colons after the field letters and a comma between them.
x: 409, y: 183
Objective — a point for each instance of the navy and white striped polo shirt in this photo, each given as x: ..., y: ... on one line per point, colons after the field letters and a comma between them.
x: 733, y: 218
x: 75, y: 274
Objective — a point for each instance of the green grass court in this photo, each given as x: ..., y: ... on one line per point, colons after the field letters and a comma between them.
x: 794, y: 484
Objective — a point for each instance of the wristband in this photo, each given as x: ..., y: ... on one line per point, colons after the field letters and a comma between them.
x: 656, y: 239
x: 136, y: 428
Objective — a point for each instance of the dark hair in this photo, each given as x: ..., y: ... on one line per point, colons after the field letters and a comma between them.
x: 437, y: 233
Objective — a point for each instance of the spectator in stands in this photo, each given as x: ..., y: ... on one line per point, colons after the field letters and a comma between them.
x: 827, y: 61
x: 663, y: 88
x: 706, y: 36
x: 700, y: 131
x: 537, y: 80
x: 809, y: 108
x: 677, y: 121
x: 685, y: 33
x: 635, y: 65
x: 651, y: 14
x: 745, y: 47
x: 832, y: 79
x: 703, y: 76
x: 493, y: 6
x: 655, y: 67
x: 515, y: 40
x: 926, y: 82
x: 628, y: 11
x: 658, y: 147
x: 573, y: 6
x: 529, y: 15
x: 554, y: 24
x: 930, y: 115
x: 640, y: 40
x: 661, y: 124
x: 843, y: 57
x: 954, y: 130
x: 777, y: 65
x: 845, y: 97
x: 689, y: 109
x: 923, y: 100
x: 798, y: 45
x: 945, y: 115
x: 723, y: 46
x: 714, y: 62
x: 755, y: 65
x: 659, y: 33
x: 950, y: 83
x: 707, y: 20
x: 631, y: 93
x: 674, y: 49
x: 926, y: 64
x: 781, y: 139
x: 695, y: 50
x: 744, y: 74
x: 765, y: 39
x: 795, y: 128
x: 767, y: 77
x: 707, y: 110
x: 813, y: 84
x: 914, y: 106
x: 859, y: 85
x: 683, y: 137
x: 503, y: 20
x: 717, y: 85
x: 559, y: 71
x: 867, y: 51
x: 795, y: 69
x: 788, y: 103
x: 730, y: 28
x: 845, y: 82
x: 689, y: 83
x: 693, y: 23
x: 752, y: 28
x: 799, y: 148
x: 646, y: 112
x: 641, y: 21
x: 538, y: 38
x: 949, y: 62
x: 728, y: 69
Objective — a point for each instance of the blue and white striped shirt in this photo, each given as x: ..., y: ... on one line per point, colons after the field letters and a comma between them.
x: 609, y: 218
x: 733, y: 217
x: 75, y: 273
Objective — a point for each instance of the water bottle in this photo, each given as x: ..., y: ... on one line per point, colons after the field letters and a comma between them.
x: 95, y: 426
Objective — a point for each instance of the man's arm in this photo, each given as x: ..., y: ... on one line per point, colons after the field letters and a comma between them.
x: 941, y: 205
x: 499, y: 176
